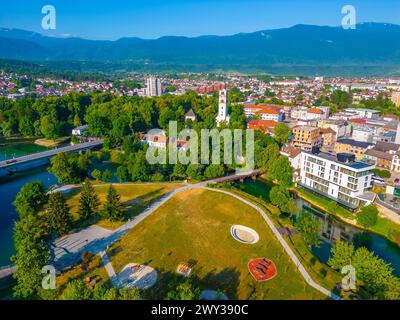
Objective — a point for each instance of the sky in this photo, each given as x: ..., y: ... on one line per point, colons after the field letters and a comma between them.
x: 110, y: 20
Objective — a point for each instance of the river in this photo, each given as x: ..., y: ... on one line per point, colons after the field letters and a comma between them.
x: 10, y: 186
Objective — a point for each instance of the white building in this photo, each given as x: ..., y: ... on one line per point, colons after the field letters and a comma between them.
x: 153, y: 87
x: 79, y: 131
x: 363, y: 134
x: 315, y: 113
x: 223, y: 107
x: 363, y: 113
x: 337, y: 177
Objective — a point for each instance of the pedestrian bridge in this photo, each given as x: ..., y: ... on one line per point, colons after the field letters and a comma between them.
x: 31, y: 161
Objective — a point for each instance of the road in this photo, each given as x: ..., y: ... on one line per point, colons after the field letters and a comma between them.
x: 48, y: 154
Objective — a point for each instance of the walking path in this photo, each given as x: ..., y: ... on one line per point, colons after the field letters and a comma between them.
x: 108, y: 266
x: 99, y: 246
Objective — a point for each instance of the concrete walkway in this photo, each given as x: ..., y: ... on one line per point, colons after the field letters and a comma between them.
x: 108, y: 266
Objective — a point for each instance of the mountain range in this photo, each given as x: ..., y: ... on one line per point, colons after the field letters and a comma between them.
x: 371, y: 45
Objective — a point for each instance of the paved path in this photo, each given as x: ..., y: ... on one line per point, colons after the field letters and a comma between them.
x: 108, y: 266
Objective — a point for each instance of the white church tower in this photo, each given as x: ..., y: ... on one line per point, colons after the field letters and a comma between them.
x: 222, y: 107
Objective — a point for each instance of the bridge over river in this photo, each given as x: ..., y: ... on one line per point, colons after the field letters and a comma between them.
x: 31, y: 161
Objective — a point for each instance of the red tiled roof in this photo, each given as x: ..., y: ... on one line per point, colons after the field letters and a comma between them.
x: 315, y: 110
x: 358, y: 120
x: 265, y: 125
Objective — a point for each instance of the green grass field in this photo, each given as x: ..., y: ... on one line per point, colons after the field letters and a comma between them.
x: 136, y: 198
x: 194, y: 227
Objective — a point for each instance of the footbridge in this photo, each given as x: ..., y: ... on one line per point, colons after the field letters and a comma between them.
x: 31, y: 161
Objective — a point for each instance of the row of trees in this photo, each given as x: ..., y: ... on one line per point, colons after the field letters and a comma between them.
x: 44, y: 217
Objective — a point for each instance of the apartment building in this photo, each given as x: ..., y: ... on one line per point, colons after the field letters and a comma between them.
x: 153, y: 87
x: 363, y: 134
x: 342, y: 128
x: 306, y: 137
x: 363, y: 113
x: 315, y: 113
x: 351, y: 146
x: 337, y: 177
x: 328, y: 137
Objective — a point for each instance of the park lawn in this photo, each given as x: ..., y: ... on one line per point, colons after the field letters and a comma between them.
x: 135, y: 197
x: 194, y: 227
x: 320, y: 272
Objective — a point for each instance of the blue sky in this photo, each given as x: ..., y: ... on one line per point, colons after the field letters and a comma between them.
x: 154, y: 18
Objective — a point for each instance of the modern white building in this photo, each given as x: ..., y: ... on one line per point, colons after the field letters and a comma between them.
x: 337, y: 177
x: 223, y: 115
x: 153, y: 87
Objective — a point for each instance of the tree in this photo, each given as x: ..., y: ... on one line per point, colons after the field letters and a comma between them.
x: 30, y: 198
x: 88, y: 201
x: 57, y: 214
x: 48, y: 127
x: 368, y: 216
x: 280, y: 197
x: 310, y: 228
x: 266, y: 156
x: 373, y: 273
x: 31, y: 255
x: 214, y: 171
x: 113, y: 208
x: 76, y: 290
x: 107, y: 175
x: 282, y: 133
x: 65, y: 168
x: 341, y: 255
x: 184, y: 291
x: 122, y: 173
x: 96, y: 174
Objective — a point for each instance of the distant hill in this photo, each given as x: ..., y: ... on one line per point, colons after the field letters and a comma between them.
x: 372, y: 46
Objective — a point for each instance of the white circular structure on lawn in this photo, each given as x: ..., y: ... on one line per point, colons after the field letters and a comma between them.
x: 141, y: 277
x: 244, y: 234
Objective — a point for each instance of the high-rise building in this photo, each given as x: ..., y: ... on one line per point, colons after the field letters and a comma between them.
x: 223, y: 107
x: 153, y: 87
x: 396, y: 99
